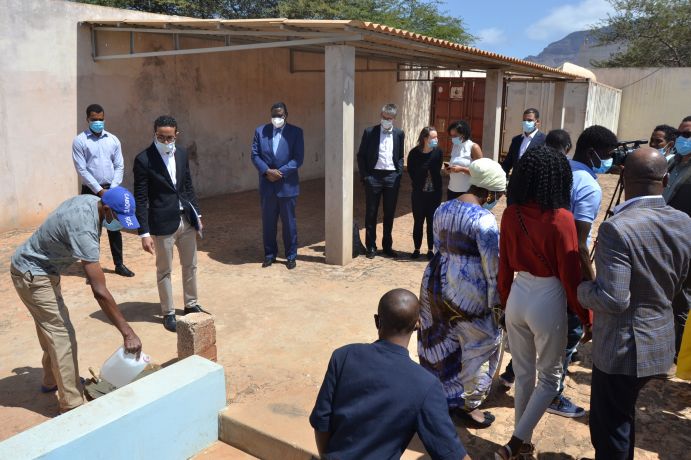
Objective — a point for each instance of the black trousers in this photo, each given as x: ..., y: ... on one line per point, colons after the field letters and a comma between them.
x: 114, y: 238
x: 380, y: 184
x: 613, y: 414
x: 424, y: 205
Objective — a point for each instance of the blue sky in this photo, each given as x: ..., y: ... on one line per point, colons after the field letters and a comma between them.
x: 519, y: 29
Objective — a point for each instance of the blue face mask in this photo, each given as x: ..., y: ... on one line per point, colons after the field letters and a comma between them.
x: 112, y: 226
x: 456, y: 140
x: 97, y: 126
x: 528, y: 126
x: 661, y: 151
x: 605, y: 165
x: 489, y: 206
x: 433, y: 143
x: 683, y: 145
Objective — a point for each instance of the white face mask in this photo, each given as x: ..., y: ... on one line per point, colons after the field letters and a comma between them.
x: 387, y: 124
x: 164, y: 148
x: 278, y: 122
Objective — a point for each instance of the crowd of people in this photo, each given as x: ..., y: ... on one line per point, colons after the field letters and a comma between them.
x: 535, y: 288
x: 527, y: 282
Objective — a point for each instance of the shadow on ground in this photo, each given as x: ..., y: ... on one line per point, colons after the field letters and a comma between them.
x: 13, y: 392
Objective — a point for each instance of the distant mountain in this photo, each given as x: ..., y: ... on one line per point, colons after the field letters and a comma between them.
x: 579, y: 48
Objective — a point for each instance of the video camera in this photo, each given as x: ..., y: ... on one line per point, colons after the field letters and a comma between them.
x: 624, y: 149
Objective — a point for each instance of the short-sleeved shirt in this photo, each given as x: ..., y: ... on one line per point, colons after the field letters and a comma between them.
x: 70, y: 233
x: 586, y: 194
x: 375, y: 398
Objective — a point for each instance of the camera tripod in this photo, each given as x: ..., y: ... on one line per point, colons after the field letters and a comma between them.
x: 616, y: 196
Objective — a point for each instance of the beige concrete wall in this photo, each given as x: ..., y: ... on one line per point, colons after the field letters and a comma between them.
x: 49, y: 78
x: 650, y: 96
x: 39, y: 114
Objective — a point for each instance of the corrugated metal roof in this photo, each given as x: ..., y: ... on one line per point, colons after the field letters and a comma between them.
x: 377, y: 40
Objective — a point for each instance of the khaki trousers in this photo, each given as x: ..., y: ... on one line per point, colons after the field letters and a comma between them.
x: 185, y: 238
x: 43, y: 299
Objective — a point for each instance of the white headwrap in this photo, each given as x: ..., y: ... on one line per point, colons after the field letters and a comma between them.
x: 487, y: 174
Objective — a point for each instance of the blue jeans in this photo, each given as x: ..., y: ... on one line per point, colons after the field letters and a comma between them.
x: 574, y: 333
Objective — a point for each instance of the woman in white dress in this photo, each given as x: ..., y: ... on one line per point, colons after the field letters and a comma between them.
x: 464, y: 152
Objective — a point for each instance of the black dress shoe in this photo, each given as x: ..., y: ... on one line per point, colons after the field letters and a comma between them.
x: 371, y: 253
x: 124, y: 271
x: 170, y: 323
x: 391, y: 253
x: 268, y: 261
x: 291, y: 264
x: 196, y: 309
x: 415, y: 254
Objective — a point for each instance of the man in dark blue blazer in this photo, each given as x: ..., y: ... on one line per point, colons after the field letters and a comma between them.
x: 278, y: 150
x: 380, y: 163
x: 530, y: 137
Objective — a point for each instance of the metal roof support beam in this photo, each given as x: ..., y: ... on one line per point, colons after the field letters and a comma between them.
x: 245, y: 33
x: 339, y: 134
x: 219, y: 49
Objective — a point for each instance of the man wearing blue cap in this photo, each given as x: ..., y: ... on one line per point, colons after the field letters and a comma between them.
x: 70, y: 233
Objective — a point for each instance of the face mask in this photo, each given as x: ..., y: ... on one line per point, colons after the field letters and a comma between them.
x: 528, y: 126
x: 661, y: 151
x: 278, y: 122
x: 683, y: 145
x: 489, y: 206
x: 112, y: 226
x: 605, y: 165
x: 97, y: 126
x: 387, y: 125
x: 433, y: 143
x: 456, y: 141
x: 164, y: 148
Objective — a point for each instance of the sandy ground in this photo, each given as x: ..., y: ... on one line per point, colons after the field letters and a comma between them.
x: 277, y: 328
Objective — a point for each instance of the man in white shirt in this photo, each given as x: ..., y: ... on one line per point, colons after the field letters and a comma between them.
x: 169, y: 215
x: 380, y: 163
x: 530, y: 137
x: 97, y: 157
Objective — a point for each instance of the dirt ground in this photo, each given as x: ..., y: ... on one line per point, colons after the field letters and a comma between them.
x: 276, y: 328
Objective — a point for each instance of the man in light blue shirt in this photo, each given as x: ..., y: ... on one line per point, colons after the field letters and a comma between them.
x: 97, y: 157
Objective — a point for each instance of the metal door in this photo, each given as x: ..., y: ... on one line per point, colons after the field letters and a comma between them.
x: 458, y: 99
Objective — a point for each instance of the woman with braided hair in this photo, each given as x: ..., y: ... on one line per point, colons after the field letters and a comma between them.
x: 539, y: 244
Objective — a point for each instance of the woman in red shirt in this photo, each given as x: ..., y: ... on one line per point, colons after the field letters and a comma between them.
x: 538, y: 244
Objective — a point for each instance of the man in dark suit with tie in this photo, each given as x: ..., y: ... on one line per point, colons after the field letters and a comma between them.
x: 169, y: 215
x: 380, y: 164
x: 530, y: 137
x: 642, y: 260
x: 278, y: 150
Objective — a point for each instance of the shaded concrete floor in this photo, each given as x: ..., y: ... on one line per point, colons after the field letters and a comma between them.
x: 277, y: 328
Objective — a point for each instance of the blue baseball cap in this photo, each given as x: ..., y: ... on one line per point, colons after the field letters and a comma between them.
x: 122, y: 203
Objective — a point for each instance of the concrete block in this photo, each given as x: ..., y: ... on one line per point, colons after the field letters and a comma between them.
x: 171, y: 414
x: 197, y: 336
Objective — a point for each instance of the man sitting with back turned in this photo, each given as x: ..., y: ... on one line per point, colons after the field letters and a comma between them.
x: 374, y: 398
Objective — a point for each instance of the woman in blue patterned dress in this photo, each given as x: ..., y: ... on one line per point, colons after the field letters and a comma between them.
x: 459, y: 339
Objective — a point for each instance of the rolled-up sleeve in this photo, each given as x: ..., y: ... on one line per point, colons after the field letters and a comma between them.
x: 435, y: 428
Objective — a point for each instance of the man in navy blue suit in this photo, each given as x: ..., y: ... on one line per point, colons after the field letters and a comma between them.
x: 277, y: 152
x: 530, y: 137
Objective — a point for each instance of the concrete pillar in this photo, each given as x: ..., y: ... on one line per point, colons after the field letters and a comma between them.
x: 491, y: 129
x: 339, y: 113
x: 559, y: 110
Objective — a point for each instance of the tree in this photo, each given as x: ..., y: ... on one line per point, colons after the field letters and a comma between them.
x: 421, y: 16
x: 653, y: 33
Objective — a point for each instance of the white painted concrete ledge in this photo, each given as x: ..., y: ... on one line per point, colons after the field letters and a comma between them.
x: 170, y: 414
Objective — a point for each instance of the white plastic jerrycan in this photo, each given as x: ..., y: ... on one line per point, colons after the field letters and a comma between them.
x: 121, y: 368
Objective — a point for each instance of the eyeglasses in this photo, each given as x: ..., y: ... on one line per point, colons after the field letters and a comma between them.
x: 166, y: 139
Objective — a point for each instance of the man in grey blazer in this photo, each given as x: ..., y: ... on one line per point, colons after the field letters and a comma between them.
x: 642, y: 260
